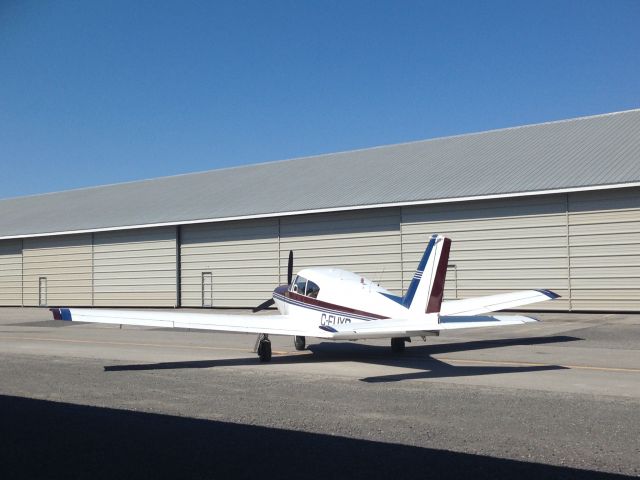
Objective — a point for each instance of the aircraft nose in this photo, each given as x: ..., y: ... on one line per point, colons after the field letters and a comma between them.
x: 281, y: 289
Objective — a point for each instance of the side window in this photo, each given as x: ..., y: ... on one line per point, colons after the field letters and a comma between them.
x: 312, y: 289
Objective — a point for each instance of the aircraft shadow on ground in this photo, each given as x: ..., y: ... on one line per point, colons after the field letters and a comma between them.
x: 44, y: 439
x: 415, y: 357
x: 43, y: 324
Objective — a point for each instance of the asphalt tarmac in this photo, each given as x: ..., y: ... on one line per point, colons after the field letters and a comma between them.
x: 555, y: 399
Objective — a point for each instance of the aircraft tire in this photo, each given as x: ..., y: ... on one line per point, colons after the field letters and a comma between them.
x: 264, y: 351
x: 299, y: 342
x: 397, y: 345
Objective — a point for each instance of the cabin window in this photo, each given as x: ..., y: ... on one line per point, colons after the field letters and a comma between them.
x: 312, y: 289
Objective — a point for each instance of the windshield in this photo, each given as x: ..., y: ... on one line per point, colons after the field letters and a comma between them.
x: 299, y: 285
x: 304, y: 287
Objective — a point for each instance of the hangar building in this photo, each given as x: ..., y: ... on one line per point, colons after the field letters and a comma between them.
x: 553, y: 205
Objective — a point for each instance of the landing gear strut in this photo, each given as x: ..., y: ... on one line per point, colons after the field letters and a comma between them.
x: 397, y: 345
x: 299, y: 342
x: 264, y: 348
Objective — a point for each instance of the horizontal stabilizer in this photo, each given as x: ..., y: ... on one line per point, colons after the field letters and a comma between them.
x: 494, y: 303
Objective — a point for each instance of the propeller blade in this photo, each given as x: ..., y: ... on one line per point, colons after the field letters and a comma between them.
x: 290, y: 268
x: 263, y: 305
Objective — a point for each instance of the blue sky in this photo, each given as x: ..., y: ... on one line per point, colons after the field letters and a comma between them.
x: 96, y: 92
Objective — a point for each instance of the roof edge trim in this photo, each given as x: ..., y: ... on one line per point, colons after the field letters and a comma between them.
x: 329, y: 210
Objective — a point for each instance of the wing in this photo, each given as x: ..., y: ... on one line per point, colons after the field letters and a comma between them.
x: 270, y: 324
x: 418, y: 327
x: 493, y: 303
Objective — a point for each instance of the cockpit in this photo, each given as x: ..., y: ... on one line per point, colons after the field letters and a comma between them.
x: 305, y: 287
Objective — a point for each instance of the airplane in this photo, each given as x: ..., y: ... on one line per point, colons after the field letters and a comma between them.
x: 334, y: 304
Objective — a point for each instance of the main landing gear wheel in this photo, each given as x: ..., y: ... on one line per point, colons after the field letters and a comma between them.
x: 299, y: 342
x: 264, y: 349
x: 397, y: 345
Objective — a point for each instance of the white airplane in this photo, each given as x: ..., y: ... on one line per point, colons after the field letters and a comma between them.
x: 333, y: 304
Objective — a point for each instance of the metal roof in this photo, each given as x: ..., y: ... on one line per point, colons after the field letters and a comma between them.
x: 577, y: 154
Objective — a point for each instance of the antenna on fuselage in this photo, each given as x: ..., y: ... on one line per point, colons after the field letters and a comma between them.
x: 381, y: 274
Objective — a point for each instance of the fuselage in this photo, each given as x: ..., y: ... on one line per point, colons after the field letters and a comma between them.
x: 330, y: 296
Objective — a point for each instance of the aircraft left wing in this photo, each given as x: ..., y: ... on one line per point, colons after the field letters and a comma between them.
x: 269, y: 324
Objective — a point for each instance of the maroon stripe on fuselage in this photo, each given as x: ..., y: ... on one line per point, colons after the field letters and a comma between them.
x: 327, y: 305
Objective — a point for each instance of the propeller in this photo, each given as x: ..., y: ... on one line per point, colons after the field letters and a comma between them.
x: 290, y: 268
x: 271, y: 301
x: 263, y: 305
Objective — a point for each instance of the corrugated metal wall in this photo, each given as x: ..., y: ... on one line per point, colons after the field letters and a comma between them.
x: 585, y: 246
x: 241, y: 258
x: 10, y: 272
x: 366, y: 242
x: 498, y: 245
x: 57, y: 270
x: 135, y: 268
x: 605, y: 249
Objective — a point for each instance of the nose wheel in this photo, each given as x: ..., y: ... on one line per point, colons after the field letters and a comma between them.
x: 264, y: 348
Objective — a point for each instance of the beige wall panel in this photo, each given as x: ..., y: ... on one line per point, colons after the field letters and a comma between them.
x: 498, y: 245
x: 366, y: 242
x: 10, y: 272
x: 65, y: 262
x: 135, y: 268
x: 604, y: 229
x: 603, y: 261
x: 615, y: 240
x: 241, y: 256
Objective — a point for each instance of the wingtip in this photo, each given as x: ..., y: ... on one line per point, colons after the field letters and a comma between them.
x: 552, y: 295
x: 329, y: 329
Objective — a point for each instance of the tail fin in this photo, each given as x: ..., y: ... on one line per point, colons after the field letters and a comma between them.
x: 426, y: 289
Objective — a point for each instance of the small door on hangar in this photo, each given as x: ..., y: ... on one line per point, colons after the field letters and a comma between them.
x: 207, y: 289
x: 42, y: 291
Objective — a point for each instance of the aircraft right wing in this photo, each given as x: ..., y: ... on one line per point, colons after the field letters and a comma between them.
x: 393, y: 327
x: 494, y: 303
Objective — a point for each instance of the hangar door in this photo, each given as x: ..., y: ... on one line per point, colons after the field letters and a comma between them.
x: 605, y: 249
x: 498, y: 245
x: 135, y: 268
x: 229, y: 264
x: 10, y: 273
x: 57, y: 270
x: 366, y: 242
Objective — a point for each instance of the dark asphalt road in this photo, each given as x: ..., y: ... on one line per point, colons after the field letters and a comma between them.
x: 560, y: 399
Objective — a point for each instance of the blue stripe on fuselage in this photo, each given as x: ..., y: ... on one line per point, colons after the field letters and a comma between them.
x: 411, y: 291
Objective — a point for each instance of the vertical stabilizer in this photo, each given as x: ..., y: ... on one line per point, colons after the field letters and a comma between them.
x: 426, y: 290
